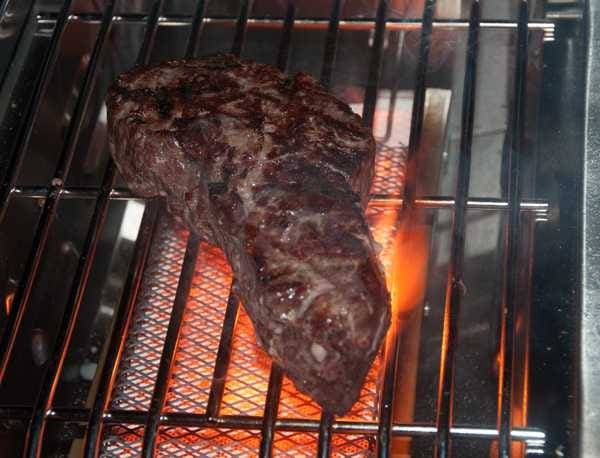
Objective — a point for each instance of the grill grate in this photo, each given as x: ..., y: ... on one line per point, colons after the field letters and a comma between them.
x: 182, y: 374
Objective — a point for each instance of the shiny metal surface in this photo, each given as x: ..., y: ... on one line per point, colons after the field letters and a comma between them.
x: 360, y: 24
x: 590, y: 287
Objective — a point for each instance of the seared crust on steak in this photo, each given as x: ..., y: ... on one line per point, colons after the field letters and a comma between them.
x: 276, y: 171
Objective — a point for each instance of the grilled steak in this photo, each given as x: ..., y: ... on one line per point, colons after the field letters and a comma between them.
x: 276, y: 171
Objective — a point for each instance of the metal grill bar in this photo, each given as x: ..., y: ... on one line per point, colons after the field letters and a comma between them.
x: 286, y: 37
x: 223, y: 356
x: 150, y: 35
x: 225, y: 343
x: 416, y: 121
x: 479, y: 203
x: 270, y: 413
x: 3, y: 6
x: 197, y: 26
x: 42, y: 192
x: 174, y: 20
x: 170, y: 346
x: 331, y: 43
x: 136, y: 417
x: 512, y: 233
x: 375, y: 66
x: 392, y: 342
x: 325, y: 435
x: 183, y: 288
x: 454, y: 287
x: 329, y: 54
x: 22, y: 29
x: 26, y: 126
x: 119, y: 334
x: 276, y: 375
x: 240, y: 27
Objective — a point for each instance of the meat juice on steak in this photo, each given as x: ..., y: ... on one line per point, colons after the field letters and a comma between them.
x: 276, y: 171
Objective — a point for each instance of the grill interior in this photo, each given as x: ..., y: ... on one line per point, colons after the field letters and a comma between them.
x: 120, y: 334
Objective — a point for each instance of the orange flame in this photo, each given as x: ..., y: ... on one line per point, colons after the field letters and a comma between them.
x: 408, y: 276
x: 8, y: 302
x: 409, y: 268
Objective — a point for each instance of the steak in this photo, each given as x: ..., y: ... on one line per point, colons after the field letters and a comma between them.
x: 276, y: 171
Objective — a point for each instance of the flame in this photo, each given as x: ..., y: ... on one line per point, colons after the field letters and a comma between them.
x: 404, y: 257
x: 8, y: 302
x: 407, y: 280
x: 409, y: 268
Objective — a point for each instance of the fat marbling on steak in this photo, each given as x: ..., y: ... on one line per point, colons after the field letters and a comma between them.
x: 276, y: 171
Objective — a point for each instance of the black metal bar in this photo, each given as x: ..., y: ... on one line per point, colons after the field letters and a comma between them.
x: 276, y: 375
x: 224, y: 351
x: 253, y: 422
x: 170, y: 346
x: 270, y: 413
x: 24, y: 25
x: 391, y: 348
x: 27, y: 124
x: 396, y: 41
x: 223, y: 357
x: 416, y: 121
x: 331, y: 43
x: 240, y: 28
x: 121, y: 327
x: 286, y: 37
x: 150, y: 35
x: 454, y: 286
x: 375, y: 66
x: 395, y: 23
x: 197, y: 25
x: 510, y: 293
x: 479, y: 203
x: 324, y: 441
x: 183, y: 288
x: 23, y: 293
x: 384, y: 435
x: 71, y: 192
x: 21, y: 300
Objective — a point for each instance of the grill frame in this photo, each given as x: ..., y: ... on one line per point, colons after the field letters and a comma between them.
x: 100, y: 415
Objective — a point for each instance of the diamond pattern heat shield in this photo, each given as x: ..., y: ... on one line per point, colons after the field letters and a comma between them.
x: 222, y: 443
x: 199, y: 338
x: 139, y: 365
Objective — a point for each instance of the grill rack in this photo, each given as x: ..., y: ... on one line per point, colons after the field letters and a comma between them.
x: 44, y: 412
